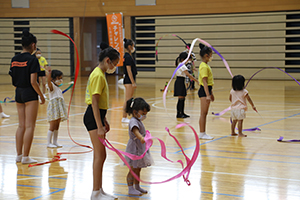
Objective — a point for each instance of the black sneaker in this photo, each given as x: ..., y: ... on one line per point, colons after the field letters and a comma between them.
x: 186, y: 115
x: 181, y: 116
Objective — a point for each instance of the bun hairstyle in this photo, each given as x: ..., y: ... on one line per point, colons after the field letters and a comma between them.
x: 204, y: 50
x: 136, y: 104
x: 27, y: 38
x: 127, y: 42
x: 103, y: 46
x: 182, y: 56
x: 109, y: 52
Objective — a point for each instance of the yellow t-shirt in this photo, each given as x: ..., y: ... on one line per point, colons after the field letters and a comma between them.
x: 97, y: 84
x: 205, y: 71
x: 43, y: 63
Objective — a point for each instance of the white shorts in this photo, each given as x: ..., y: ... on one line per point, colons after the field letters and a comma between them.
x: 238, y: 114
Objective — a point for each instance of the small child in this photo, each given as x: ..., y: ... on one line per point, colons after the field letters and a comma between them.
x: 238, y: 96
x: 179, y: 86
x: 56, y: 110
x: 138, y: 108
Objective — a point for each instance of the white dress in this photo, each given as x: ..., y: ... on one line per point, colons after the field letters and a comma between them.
x: 56, y: 108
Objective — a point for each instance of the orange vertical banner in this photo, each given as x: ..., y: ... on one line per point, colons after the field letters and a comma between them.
x: 115, y: 33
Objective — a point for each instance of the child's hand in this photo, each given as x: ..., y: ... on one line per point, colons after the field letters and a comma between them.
x: 142, y: 140
x: 254, y: 108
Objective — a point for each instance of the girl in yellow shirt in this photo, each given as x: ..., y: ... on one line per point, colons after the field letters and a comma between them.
x: 94, y: 118
x: 205, y: 93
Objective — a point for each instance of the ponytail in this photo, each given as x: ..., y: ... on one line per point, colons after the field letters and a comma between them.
x: 136, y: 104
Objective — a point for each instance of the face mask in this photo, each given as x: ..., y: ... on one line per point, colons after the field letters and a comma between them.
x: 133, y: 50
x: 210, y: 59
x: 58, y: 82
x: 110, y: 71
x: 142, y: 117
x: 38, y: 55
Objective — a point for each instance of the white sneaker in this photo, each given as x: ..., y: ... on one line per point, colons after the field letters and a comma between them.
x: 125, y: 120
x: 57, y: 145
x: 27, y: 160
x: 206, y: 137
x: 51, y: 146
x: 3, y: 115
x: 19, y: 158
x: 108, y: 195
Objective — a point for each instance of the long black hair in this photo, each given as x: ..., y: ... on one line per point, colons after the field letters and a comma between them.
x: 238, y: 82
x: 136, y: 104
x: 204, y: 50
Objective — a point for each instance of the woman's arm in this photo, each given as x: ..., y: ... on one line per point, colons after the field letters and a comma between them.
x: 95, y: 107
x: 137, y: 133
x: 36, y: 87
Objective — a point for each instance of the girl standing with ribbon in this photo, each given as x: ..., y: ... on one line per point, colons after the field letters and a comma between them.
x: 179, y: 85
x: 238, y: 98
x: 24, y: 72
x: 56, y: 110
x: 205, y: 92
x: 138, y: 108
x: 97, y: 99
x: 130, y: 72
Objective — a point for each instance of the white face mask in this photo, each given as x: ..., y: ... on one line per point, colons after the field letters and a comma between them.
x: 58, y: 82
x: 142, y: 117
x: 133, y: 50
x: 110, y: 71
x: 210, y: 59
x: 38, y: 55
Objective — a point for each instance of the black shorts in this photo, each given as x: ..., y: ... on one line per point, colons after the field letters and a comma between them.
x: 127, y: 79
x: 89, y: 119
x: 179, y: 87
x: 24, y: 95
x: 201, y: 91
x: 41, y: 73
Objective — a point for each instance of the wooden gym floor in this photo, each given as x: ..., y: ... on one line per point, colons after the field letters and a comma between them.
x: 253, y: 168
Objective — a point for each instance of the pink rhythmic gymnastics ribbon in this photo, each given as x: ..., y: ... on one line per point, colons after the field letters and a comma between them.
x: 222, y: 112
x: 149, y: 141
